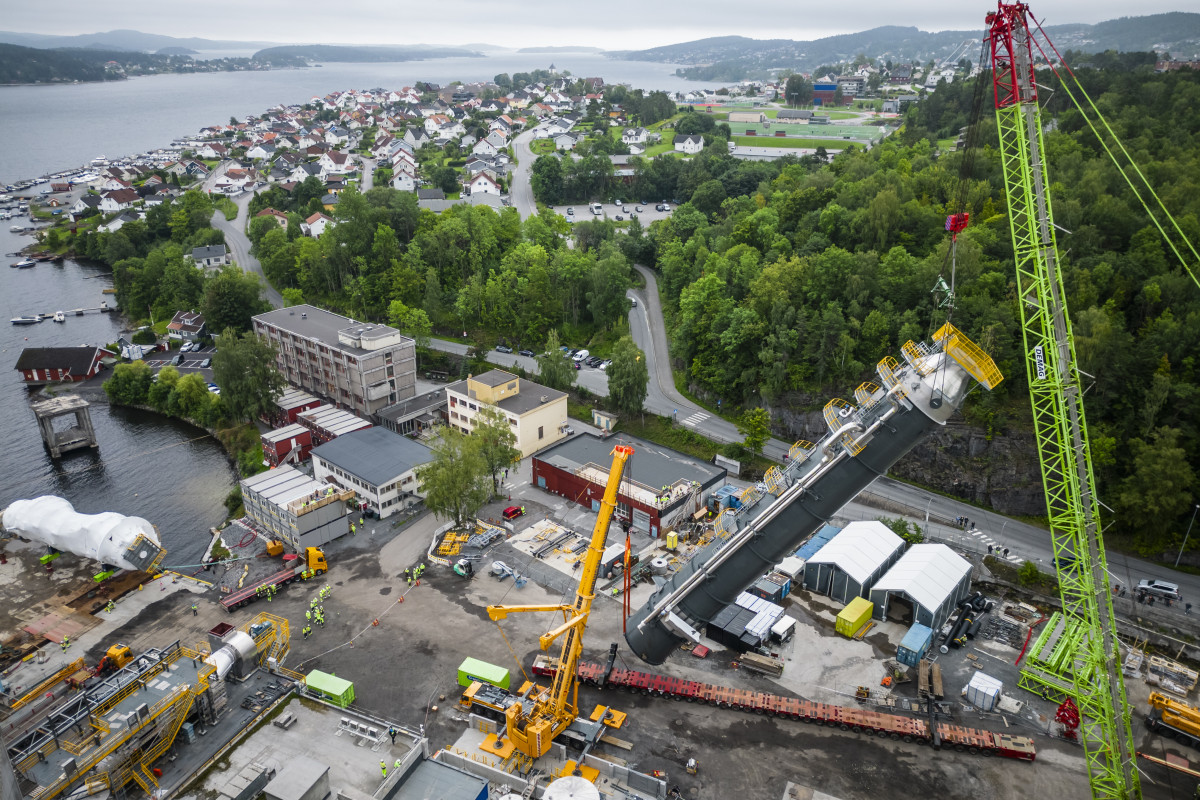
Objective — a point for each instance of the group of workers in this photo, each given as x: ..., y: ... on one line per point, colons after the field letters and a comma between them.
x: 413, y: 574
x: 266, y: 591
x: 315, y: 611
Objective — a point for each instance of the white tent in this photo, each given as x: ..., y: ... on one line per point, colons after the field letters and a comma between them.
x: 932, y: 578
x: 850, y: 563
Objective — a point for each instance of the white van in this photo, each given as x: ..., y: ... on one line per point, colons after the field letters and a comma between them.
x: 597, y: 209
x: 581, y: 355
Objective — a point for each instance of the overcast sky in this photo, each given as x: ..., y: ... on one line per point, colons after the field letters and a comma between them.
x: 613, y: 25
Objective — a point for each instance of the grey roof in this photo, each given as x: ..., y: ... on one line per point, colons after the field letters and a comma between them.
x: 434, y: 779
x: 332, y: 420
x: 296, y: 780
x: 282, y: 485
x: 529, y: 395
x: 375, y: 456
x: 413, y: 405
x: 794, y: 113
x: 211, y: 251
x: 317, y: 323
x: 651, y: 465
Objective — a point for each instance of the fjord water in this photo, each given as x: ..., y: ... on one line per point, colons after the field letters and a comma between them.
x: 147, y: 465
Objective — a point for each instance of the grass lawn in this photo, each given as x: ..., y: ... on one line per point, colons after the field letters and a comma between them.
x: 542, y: 147
x: 226, y: 207
x: 840, y: 115
x: 660, y: 148
x: 779, y: 141
x: 947, y: 144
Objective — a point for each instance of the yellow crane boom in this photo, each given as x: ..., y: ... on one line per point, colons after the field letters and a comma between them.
x: 555, y: 709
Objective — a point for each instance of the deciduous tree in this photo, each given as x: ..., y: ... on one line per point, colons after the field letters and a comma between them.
x: 496, y: 439
x: 244, y: 369
x: 455, y: 482
x: 628, y: 377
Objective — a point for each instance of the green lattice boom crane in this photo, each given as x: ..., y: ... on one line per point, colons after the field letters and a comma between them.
x: 1090, y: 672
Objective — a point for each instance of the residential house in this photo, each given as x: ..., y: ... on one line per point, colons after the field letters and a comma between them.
x: 261, y: 151
x: 335, y: 163
x: 85, y: 203
x: 115, y: 185
x: 403, y: 181
x: 481, y: 184
x: 567, y: 141
x: 186, y: 325
x: 901, y: 73
x: 416, y: 137
x: 278, y: 216
x: 498, y: 140
x: 111, y: 202
x: 42, y: 365
x: 484, y: 147
x: 302, y: 171
x: 213, y: 150
x: 315, y: 225
x: 211, y: 257
x: 634, y: 135
x: 689, y: 145
x: 116, y: 223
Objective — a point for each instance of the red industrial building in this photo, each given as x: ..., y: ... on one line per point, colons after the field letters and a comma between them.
x: 40, y: 365
x: 661, y: 487
x: 292, y: 403
x: 290, y: 444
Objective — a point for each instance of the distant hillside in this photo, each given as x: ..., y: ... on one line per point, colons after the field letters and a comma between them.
x: 562, y: 49
x: 28, y: 65
x: 123, y: 40
x: 730, y: 58
x: 325, y: 52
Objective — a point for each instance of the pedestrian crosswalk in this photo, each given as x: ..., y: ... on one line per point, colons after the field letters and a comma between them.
x: 695, y: 419
x: 985, y: 539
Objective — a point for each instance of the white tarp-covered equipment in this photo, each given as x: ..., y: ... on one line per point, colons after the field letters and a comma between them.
x: 114, y: 540
x: 983, y: 691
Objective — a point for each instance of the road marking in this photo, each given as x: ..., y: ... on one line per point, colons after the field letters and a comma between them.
x: 696, y: 419
x: 1014, y: 559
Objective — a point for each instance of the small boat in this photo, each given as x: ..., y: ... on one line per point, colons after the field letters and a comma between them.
x: 59, y: 316
x: 24, y: 263
x: 104, y: 307
x: 17, y: 228
x: 26, y: 320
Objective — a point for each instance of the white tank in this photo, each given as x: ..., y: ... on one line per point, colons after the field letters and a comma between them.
x: 107, y: 537
x: 572, y: 788
x: 238, y: 648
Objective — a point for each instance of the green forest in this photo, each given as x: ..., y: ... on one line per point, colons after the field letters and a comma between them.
x: 786, y: 282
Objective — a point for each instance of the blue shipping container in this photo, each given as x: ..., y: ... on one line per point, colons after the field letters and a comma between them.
x: 914, y: 645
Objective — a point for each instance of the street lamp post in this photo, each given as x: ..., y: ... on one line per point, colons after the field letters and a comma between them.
x: 1186, y: 535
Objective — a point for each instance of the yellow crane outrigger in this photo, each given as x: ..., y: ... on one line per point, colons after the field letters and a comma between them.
x: 553, y: 710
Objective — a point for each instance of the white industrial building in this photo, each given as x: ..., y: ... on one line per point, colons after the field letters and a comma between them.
x: 929, y: 580
x: 850, y: 563
x: 376, y: 464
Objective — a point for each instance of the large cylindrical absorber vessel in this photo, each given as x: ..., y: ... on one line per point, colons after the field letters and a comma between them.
x: 863, y: 443
x: 237, y: 658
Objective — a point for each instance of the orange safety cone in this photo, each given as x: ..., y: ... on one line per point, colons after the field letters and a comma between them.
x: 400, y: 599
x: 375, y: 623
x: 418, y: 582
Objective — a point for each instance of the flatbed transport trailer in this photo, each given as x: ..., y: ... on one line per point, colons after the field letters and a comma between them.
x: 312, y: 562
x: 856, y: 720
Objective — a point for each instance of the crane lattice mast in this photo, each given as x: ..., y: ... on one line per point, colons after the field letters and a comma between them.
x: 1077, y: 654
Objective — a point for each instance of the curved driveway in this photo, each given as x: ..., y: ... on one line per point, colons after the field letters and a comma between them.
x: 239, y: 246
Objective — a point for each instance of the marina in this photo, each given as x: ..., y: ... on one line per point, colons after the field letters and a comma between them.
x: 60, y: 316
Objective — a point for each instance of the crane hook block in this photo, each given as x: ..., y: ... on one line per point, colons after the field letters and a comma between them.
x: 957, y: 222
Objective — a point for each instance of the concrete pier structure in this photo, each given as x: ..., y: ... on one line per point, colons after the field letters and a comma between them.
x: 73, y: 437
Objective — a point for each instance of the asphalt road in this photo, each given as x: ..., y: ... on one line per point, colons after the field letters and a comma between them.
x: 239, y: 245
x: 520, y: 190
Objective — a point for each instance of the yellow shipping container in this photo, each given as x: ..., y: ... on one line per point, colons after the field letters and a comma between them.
x: 851, y: 618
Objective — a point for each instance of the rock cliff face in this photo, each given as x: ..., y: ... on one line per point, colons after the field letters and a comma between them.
x: 959, y: 459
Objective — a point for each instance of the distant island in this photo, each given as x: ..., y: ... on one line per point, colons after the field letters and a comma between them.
x: 290, y: 54
x: 735, y: 58
x: 24, y: 65
x: 562, y: 49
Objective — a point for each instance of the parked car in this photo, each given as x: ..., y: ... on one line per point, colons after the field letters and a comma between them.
x: 594, y: 361
x: 503, y: 348
x: 528, y: 353
x: 212, y: 387
x: 512, y: 512
x: 605, y: 364
x: 619, y: 218
x: 633, y: 301
x: 570, y: 212
x: 658, y: 207
x: 624, y: 210
x: 617, y: 202
x: 206, y: 363
x: 1157, y: 588
x: 638, y: 209
x: 175, y: 361
x: 580, y: 355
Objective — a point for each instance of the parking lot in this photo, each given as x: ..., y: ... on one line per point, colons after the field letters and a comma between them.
x: 647, y: 215
x: 194, y: 361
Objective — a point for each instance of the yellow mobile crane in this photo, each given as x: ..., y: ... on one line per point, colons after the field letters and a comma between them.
x: 554, y: 709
